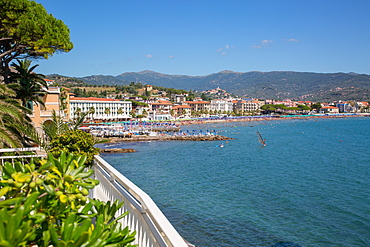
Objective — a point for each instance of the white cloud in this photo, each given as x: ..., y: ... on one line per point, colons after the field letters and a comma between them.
x: 149, y: 56
x: 291, y: 40
x: 224, y: 48
x: 265, y: 42
x: 262, y: 43
x: 223, y: 54
x: 171, y: 56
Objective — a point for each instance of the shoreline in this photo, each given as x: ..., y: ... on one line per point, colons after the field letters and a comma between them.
x: 267, y: 118
x: 201, y: 137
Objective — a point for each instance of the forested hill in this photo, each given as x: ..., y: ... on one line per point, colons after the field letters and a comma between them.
x: 272, y: 85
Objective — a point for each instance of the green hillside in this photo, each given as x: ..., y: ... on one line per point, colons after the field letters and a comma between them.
x: 267, y: 85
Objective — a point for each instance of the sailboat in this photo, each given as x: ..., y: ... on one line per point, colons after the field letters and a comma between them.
x: 260, y: 139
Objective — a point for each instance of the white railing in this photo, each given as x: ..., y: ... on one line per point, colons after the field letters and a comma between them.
x: 22, y: 157
x: 152, y: 227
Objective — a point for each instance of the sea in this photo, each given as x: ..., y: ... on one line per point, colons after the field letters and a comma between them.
x: 309, y: 186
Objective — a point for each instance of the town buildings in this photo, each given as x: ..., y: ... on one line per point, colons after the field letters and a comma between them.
x: 198, y: 105
x: 52, y: 101
x: 221, y: 105
x: 246, y: 105
x: 330, y: 109
x: 100, y: 108
x: 64, y: 104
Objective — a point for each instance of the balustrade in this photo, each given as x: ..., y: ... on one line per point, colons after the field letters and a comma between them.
x: 152, y: 227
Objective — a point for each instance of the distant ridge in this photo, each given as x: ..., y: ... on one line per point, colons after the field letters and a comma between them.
x: 269, y: 85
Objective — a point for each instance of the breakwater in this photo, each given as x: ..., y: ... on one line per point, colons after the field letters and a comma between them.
x: 163, y: 137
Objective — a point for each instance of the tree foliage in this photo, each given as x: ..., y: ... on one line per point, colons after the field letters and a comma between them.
x: 76, y: 142
x: 137, y: 103
x: 316, y: 106
x: 27, y: 30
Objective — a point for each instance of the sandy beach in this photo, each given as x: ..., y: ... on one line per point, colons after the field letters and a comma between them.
x: 204, y: 137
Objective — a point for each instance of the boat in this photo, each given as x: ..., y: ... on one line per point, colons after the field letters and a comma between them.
x: 260, y: 139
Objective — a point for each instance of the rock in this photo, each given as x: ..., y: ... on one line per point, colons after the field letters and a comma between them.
x: 164, y: 137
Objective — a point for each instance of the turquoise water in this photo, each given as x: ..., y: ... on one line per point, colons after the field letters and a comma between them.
x: 310, y: 186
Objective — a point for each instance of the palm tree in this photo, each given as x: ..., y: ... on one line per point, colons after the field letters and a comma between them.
x: 15, y: 126
x: 106, y: 111
x: 31, y: 86
x: 54, y: 127
x: 91, y: 112
x: 57, y: 126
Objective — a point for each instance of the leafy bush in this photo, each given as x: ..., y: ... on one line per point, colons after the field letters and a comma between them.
x: 76, y: 142
x: 47, y: 205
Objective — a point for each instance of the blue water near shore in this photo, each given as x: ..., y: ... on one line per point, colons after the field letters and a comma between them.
x: 310, y: 186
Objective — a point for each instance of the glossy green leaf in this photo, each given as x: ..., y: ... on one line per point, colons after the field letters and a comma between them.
x: 4, y: 190
x: 9, y: 202
x: 39, y: 217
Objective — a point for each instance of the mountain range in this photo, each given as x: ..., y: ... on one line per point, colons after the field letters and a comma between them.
x: 324, y: 87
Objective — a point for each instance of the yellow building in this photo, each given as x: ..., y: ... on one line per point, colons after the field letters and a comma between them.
x: 51, y: 100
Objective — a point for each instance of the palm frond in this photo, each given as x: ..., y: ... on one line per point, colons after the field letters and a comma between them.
x: 55, y: 127
x: 77, y: 122
x: 7, y: 140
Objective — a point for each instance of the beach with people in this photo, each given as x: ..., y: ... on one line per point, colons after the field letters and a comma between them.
x: 173, y: 130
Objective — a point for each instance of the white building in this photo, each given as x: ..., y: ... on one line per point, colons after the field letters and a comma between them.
x: 100, y: 108
x: 221, y: 105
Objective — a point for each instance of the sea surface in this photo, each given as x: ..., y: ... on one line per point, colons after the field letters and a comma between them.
x: 310, y: 186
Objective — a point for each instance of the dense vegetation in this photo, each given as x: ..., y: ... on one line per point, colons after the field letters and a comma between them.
x: 45, y: 204
x: 282, y: 109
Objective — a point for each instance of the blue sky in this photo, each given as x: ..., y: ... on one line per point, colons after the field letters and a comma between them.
x: 203, y: 37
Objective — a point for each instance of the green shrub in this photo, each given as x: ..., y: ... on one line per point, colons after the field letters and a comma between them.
x: 46, y: 204
x: 76, y: 142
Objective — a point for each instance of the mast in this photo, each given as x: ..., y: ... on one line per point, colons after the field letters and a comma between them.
x: 260, y: 139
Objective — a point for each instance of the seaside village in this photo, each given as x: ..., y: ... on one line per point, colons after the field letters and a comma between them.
x: 160, y: 107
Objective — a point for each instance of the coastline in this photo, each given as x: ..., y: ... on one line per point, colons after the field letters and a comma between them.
x: 201, y: 137
x: 267, y: 118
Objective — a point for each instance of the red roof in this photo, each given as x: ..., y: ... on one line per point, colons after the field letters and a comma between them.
x: 329, y: 107
x: 162, y: 103
x: 92, y: 99
x: 197, y: 102
x: 180, y: 106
